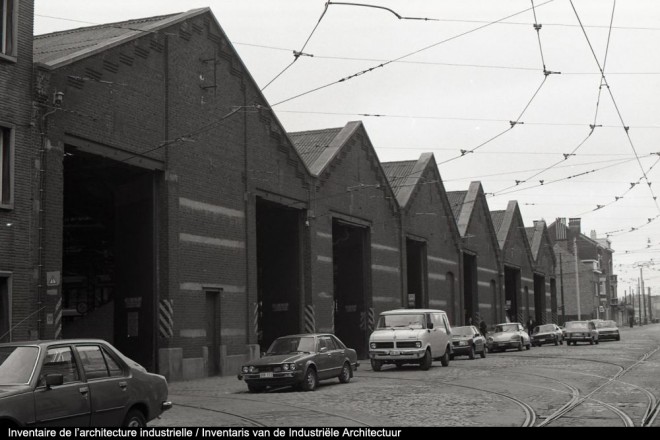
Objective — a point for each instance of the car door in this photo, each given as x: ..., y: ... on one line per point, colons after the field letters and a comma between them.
x: 108, y: 385
x: 67, y: 404
x: 337, y: 357
x: 324, y: 358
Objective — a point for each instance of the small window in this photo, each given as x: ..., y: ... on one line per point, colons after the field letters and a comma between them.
x: 8, y: 28
x: 113, y: 366
x: 340, y: 345
x: 5, y: 166
x: 93, y: 362
x: 60, y: 360
x: 329, y: 343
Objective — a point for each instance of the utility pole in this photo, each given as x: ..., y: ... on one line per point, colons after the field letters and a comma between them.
x: 639, y: 301
x: 641, y: 290
x: 650, y: 305
x: 577, y: 278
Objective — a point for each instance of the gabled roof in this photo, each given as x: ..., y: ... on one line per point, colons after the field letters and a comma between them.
x: 312, y: 144
x: 61, y: 48
x: 405, y: 175
x: 535, y: 235
x: 498, y: 218
x: 456, y: 199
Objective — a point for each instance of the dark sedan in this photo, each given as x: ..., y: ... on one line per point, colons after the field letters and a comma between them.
x: 467, y: 341
x: 300, y: 361
x: 78, y: 382
x: 547, y: 334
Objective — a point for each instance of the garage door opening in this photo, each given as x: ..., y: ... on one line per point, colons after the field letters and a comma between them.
x: 539, y: 299
x: 470, y: 295
x: 351, y: 285
x: 416, y: 274
x: 108, y: 261
x: 279, y: 274
x: 511, y: 288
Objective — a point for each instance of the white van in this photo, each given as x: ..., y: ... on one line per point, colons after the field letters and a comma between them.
x: 410, y: 336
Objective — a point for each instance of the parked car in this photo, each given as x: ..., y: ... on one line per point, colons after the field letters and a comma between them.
x: 509, y: 335
x: 467, y: 341
x: 547, y: 334
x: 76, y: 382
x: 581, y: 331
x: 607, y: 329
x: 300, y: 361
x: 410, y: 336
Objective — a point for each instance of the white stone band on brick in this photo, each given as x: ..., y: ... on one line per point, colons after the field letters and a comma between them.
x: 211, y: 209
x: 483, y: 283
x: 487, y: 270
x: 198, y: 287
x: 485, y: 306
x: 442, y: 260
x: 437, y: 302
x: 437, y: 276
x: 382, y: 247
x: 388, y: 269
x: 323, y: 259
x: 211, y: 241
x: 193, y: 333
x: 323, y: 235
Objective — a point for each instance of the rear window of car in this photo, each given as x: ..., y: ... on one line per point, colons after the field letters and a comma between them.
x: 576, y: 325
x: 17, y: 364
x: 97, y: 363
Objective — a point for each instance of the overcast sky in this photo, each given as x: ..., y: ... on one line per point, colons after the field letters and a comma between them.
x: 457, y: 83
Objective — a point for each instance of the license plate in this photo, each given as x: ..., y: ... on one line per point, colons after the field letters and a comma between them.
x: 265, y: 375
x: 395, y: 353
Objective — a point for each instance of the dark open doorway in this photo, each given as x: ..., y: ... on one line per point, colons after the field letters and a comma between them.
x: 539, y: 299
x: 416, y: 274
x: 511, y: 293
x: 470, y: 293
x: 108, y: 262
x: 351, y: 286
x: 279, y: 282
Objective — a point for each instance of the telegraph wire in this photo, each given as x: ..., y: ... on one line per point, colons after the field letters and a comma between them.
x: 365, y: 71
x: 609, y: 90
x: 299, y: 53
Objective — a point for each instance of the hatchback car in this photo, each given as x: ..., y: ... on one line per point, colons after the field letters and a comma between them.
x: 77, y: 382
x: 509, y: 335
x: 547, y: 334
x: 301, y: 361
x: 467, y: 341
x: 410, y: 336
x: 607, y: 329
x: 581, y: 331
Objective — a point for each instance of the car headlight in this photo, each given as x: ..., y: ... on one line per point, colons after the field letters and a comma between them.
x: 490, y: 339
x: 252, y: 369
x: 372, y: 345
x: 245, y: 369
x: 285, y: 367
x: 292, y: 367
x: 418, y: 344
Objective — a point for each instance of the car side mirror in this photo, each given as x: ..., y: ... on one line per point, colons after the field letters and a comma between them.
x: 430, y: 325
x: 53, y: 380
x: 323, y: 349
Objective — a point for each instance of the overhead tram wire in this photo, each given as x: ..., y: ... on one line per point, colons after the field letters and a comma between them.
x: 301, y: 52
x: 609, y: 90
x: 365, y: 71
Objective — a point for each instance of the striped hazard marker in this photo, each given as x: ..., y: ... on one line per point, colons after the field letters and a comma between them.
x: 166, y: 319
x: 310, y: 319
x: 57, y: 321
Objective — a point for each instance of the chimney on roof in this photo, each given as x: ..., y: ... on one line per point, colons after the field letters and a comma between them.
x: 593, y: 234
x: 560, y: 229
x: 574, y: 225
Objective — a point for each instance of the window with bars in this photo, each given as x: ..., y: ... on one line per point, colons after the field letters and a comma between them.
x: 8, y: 28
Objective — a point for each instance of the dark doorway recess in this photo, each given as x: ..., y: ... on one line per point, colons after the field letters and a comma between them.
x: 539, y: 299
x: 511, y: 293
x: 470, y: 293
x: 109, y: 258
x: 279, y: 273
x: 351, y: 286
x: 416, y: 274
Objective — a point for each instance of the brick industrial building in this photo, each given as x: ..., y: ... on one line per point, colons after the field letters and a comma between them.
x: 156, y: 202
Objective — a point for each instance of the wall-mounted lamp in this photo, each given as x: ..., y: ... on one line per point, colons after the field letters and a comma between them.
x: 58, y: 97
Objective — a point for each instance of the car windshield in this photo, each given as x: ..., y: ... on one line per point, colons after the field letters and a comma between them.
x: 544, y: 328
x: 292, y: 345
x: 17, y: 364
x: 401, y: 321
x: 576, y: 325
x: 501, y: 328
x: 462, y: 331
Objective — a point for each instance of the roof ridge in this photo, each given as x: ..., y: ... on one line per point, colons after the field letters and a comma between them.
x: 106, y: 25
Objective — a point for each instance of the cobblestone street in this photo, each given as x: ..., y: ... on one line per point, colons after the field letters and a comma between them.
x: 609, y: 384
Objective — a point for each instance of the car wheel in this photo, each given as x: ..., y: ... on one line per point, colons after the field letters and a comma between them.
x: 376, y: 365
x: 471, y: 353
x: 255, y: 388
x: 591, y: 341
x: 426, y: 361
x: 596, y: 341
x: 398, y: 365
x: 528, y: 346
x: 345, y: 375
x: 618, y: 337
x: 483, y: 353
x: 135, y: 419
x: 444, y: 360
x: 520, y: 346
x: 310, y: 380
x: 556, y: 341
